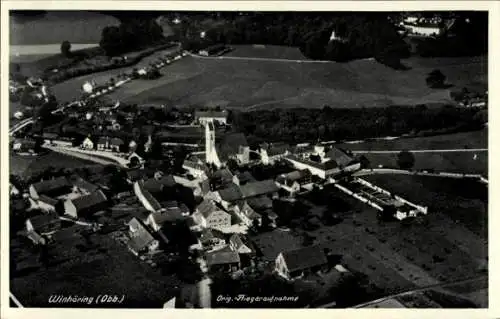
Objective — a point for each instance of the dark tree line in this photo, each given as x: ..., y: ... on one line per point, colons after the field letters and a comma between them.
x: 301, y: 124
x: 134, y: 33
x: 357, y: 36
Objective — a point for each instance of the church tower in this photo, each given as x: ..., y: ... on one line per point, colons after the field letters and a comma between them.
x: 210, y: 151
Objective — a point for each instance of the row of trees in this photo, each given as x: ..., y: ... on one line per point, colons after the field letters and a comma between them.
x: 357, y: 36
x: 301, y: 124
x: 133, y: 33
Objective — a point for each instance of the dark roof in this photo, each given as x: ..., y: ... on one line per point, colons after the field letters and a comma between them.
x: 141, y: 237
x: 136, y: 174
x: 150, y: 198
x: 96, y: 200
x: 224, y: 174
x: 260, y: 203
x: 207, y: 207
x: 42, y: 222
x: 258, y: 188
x: 83, y: 184
x: 48, y: 200
x: 295, y: 176
x: 26, y: 143
x: 167, y: 181
x: 245, y: 177
x: 58, y: 186
x: 231, y: 193
x: 102, y: 140
x: 218, y: 114
x: 153, y: 186
x: 339, y: 156
x: 220, y: 258
x: 116, y: 141
x: 304, y: 258
x: 230, y: 145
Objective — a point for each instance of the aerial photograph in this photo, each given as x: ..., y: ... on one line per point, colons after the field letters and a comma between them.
x: 248, y: 159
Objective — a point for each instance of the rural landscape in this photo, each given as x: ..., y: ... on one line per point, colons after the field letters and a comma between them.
x: 186, y: 159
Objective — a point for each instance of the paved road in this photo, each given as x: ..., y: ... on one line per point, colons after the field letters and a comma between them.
x: 427, y: 151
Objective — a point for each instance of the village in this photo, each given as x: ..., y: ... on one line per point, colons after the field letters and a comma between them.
x: 212, y: 210
x: 174, y: 206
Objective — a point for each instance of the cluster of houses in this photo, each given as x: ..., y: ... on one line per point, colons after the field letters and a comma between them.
x: 426, y: 27
x: 62, y: 197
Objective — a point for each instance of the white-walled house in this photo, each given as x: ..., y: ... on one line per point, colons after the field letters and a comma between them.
x: 88, y: 144
x: 211, y: 216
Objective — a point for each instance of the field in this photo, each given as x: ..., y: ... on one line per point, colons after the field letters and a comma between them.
x: 71, y: 89
x: 27, y: 166
x: 460, y: 162
x: 266, y: 51
x: 450, y: 246
x: 473, y: 139
x: 250, y: 84
x: 105, y: 268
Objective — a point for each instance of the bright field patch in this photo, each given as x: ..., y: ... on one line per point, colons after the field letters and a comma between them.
x: 251, y: 84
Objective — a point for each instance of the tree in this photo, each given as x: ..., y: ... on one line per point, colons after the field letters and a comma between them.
x: 66, y: 48
x: 435, y: 79
x: 406, y: 159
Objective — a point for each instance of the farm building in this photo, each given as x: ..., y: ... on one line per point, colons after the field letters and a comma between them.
x: 223, y: 261
x: 52, y: 188
x: 298, y: 262
x: 294, y: 181
x: 270, y: 153
x: 209, y: 215
x: 86, y: 205
x: 229, y: 196
x: 43, y: 224
x: 141, y: 240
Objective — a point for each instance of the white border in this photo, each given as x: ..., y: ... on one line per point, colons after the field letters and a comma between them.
x: 494, y: 220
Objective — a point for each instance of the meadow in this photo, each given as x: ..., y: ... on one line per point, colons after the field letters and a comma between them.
x: 250, y: 84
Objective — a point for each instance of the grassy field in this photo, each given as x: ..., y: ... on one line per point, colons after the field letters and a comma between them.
x: 457, y: 162
x: 266, y: 51
x: 71, y: 89
x: 248, y: 84
x: 473, y: 139
x: 57, y: 26
x: 451, y: 246
x: 106, y: 268
x: 460, y: 162
x: 27, y: 166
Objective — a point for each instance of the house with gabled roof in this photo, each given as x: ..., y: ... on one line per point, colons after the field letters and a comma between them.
x: 171, y: 212
x: 228, y: 197
x: 209, y: 215
x: 47, y: 204
x: 294, y: 181
x: 212, y: 239
x: 82, y: 186
x: 43, y: 224
x: 246, y: 213
x: 271, y: 153
x: 141, y: 240
x: 86, y: 205
x: 53, y: 188
x: 239, y: 245
x: 145, y: 197
x: 243, y: 178
x: 221, y: 260
x: 299, y: 262
x: 115, y: 143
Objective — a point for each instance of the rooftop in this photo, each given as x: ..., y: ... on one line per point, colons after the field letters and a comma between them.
x: 90, y: 201
x: 222, y: 257
x: 304, y: 258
